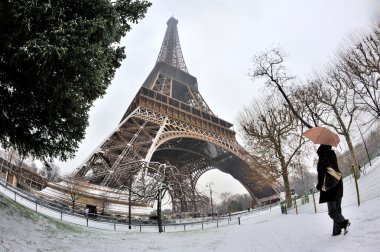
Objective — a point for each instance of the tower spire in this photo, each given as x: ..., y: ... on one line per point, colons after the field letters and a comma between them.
x: 171, y: 52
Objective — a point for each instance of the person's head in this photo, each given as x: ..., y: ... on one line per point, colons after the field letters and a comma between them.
x: 323, y: 149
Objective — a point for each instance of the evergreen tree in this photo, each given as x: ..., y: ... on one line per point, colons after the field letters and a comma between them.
x: 56, y: 58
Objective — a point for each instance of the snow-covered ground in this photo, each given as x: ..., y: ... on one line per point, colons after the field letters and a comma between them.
x: 23, y: 230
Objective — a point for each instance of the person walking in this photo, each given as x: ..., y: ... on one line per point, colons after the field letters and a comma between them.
x: 330, y: 185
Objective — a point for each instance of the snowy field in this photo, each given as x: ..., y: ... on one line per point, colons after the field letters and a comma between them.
x: 24, y: 230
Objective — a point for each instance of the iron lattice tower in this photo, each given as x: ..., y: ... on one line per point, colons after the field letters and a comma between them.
x: 169, y: 122
x: 171, y: 52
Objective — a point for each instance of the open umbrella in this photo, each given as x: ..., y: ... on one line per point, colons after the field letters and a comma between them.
x: 322, y: 135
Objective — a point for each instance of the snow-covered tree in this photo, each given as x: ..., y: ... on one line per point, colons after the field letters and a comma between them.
x: 50, y: 171
x: 154, y: 182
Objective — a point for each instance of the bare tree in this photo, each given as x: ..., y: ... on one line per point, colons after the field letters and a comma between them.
x: 155, y: 181
x: 373, y: 145
x: 224, y: 196
x: 340, y: 109
x: 332, y: 90
x: 303, y: 97
x: 273, y: 135
x: 224, y: 206
x: 327, y: 99
x: 373, y: 142
x: 202, y: 202
x: 234, y: 203
x: 33, y: 167
x: 361, y: 61
x: 270, y: 65
x: 104, y: 201
x: 50, y: 171
x: 73, y: 186
x: 12, y: 155
x: 301, y: 179
x: 302, y: 184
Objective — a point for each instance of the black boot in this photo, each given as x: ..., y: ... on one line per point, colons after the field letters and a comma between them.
x: 337, y: 233
x: 337, y: 228
x: 345, y: 225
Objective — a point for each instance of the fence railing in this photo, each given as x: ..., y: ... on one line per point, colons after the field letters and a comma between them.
x: 117, y: 224
x: 369, y: 188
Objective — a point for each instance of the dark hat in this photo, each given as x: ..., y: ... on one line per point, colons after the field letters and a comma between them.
x: 323, y: 149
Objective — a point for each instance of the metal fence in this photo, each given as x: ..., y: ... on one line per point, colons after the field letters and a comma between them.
x: 369, y: 188
x: 116, y: 224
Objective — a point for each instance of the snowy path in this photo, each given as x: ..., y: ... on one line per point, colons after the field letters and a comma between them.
x: 22, y: 230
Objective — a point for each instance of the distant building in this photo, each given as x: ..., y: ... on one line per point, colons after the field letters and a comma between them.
x: 101, y: 200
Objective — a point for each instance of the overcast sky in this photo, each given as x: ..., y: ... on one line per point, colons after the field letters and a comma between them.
x: 218, y: 40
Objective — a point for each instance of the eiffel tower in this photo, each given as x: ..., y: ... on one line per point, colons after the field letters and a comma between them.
x: 169, y: 121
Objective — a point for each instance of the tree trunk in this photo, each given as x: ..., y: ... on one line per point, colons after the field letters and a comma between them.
x: 355, y: 168
x: 159, y: 218
x: 193, y: 196
x: 73, y: 204
x: 287, y: 187
x: 285, y: 177
x: 352, y: 152
x: 346, y: 134
x: 129, y: 209
x: 129, y: 204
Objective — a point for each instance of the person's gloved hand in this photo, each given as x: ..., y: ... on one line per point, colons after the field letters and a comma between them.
x: 319, y: 187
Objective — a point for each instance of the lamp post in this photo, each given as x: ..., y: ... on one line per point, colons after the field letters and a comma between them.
x: 212, y: 206
x: 129, y: 203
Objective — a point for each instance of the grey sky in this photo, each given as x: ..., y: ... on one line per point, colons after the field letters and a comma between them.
x: 218, y: 39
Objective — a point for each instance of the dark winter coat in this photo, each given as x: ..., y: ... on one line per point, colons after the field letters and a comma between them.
x: 327, y: 158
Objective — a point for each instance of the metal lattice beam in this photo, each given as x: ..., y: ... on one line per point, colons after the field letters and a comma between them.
x: 171, y: 52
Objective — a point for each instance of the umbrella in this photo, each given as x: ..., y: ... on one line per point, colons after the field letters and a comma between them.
x: 322, y: 135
